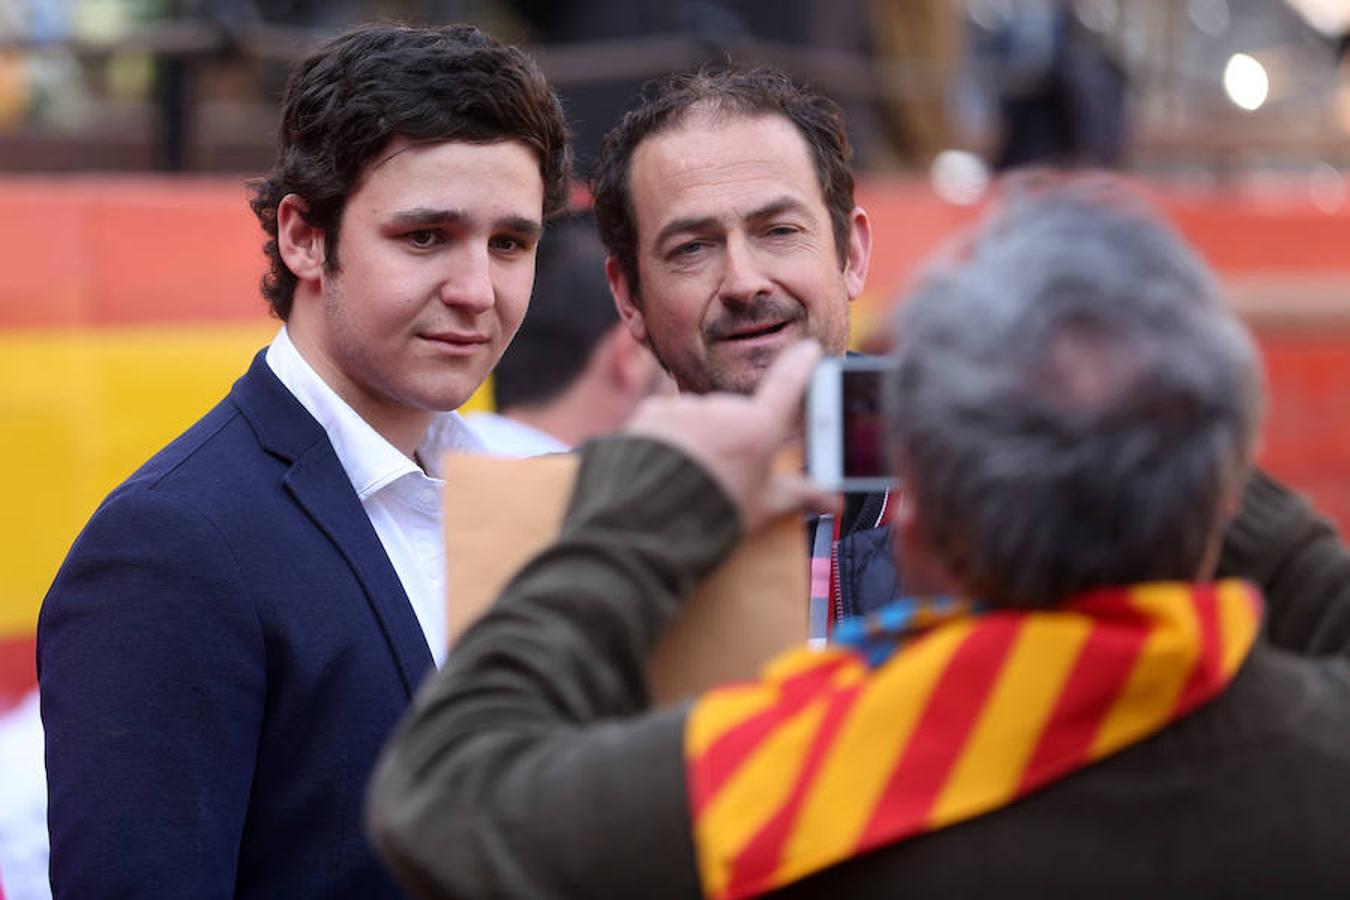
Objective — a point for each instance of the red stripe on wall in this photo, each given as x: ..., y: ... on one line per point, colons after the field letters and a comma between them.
x: 104, y: 250
x: 142, y: 248
x: 18, y: 672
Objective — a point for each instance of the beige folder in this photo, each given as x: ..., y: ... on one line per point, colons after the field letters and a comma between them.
x: 500, y: 512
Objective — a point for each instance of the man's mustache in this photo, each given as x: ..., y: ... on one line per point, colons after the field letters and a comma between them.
x: 751, y: 317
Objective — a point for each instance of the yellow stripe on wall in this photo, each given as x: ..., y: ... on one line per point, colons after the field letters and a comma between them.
x: 81, y: 409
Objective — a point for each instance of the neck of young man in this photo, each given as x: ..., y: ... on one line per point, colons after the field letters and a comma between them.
x: 404, y: 427
x: 401, y: 426
x: 405, y: 431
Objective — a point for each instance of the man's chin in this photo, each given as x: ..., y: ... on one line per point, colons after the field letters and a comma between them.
x: 742, y: 372
x: 448, y: 399
x: 742, y: 379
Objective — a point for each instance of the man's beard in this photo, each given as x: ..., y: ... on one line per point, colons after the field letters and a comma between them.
x: 750, y: 366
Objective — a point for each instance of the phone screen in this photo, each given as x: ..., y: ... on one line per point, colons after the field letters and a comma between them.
x: 846, y: 433
x: 863, y: 429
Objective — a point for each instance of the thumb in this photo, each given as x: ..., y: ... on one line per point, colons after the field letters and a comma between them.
x: 783, y: 385
x: 791, y: 493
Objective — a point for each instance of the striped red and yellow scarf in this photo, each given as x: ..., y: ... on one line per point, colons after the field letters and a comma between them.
x: 837, y: 752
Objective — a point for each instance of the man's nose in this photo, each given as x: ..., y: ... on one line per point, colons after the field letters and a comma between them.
x: 467, y: 283
x: 743, y: 277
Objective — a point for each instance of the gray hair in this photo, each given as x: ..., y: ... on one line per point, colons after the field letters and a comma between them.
x: 1074, y: 401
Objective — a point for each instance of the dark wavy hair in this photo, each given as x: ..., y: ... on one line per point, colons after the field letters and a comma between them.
x: 666, y: 102
x: 345, y: 102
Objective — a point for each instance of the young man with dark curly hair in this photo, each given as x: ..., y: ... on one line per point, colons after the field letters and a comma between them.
x: 238, y: 627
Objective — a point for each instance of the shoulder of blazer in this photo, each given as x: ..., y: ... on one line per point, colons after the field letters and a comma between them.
x: 280, y: 421
x: 317, y: 481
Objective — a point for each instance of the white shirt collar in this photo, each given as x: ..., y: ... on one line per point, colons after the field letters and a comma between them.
x: 370, y: 461
x: 504, y: 436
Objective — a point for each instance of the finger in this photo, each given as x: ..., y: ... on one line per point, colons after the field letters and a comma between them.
x: 789, y: 493
x: 781, y: 389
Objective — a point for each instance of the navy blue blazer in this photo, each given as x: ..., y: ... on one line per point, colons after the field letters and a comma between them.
x: 221, y: 657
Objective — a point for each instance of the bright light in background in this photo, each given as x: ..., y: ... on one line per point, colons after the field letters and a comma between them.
x: 1331, y: 17
x: 959, y: 177
x: 1246, y: 81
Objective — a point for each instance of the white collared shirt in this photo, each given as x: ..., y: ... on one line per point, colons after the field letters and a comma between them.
x: 504, y: 436
x: 403, y: 502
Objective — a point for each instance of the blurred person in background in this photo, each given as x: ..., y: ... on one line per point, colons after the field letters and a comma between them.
x: 1067, y: 705
x: 238, y: 627
x: 1061, y: 88
x: 674, y: 35
x: 573, y: 372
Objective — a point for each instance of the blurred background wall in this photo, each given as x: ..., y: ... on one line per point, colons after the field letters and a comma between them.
x: 128, y: 294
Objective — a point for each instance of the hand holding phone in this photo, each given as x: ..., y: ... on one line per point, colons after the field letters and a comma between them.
x: 735, y: 438
x: 845, y: 425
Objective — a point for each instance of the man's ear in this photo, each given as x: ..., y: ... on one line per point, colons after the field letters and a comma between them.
x: 614, y: 351
x: 904, y: 524
x: 923, y: 573
x: 859, y: 257
x: 632, y: 368
x: 300, y: 244
x: 624, y: 301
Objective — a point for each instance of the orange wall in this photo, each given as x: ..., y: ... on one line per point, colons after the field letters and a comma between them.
x: 128, y: 305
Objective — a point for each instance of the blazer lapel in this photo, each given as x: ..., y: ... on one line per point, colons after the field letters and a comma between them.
x: 318, y: 483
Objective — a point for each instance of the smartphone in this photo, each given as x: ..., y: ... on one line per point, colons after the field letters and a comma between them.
x: 845, y: 428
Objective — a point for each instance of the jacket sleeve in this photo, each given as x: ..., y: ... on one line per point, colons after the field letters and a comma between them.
x: 150, y: 662
x: 1301, y: 564
x: 530, y: 765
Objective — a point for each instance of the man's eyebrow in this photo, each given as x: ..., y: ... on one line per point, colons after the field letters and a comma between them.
x: 522, y: 225
x: 685, y: 223
x: 784, y: 204
x: 774, y: 207
x: 426, y: 217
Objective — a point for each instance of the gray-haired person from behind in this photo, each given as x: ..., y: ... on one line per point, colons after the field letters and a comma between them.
x: 1077, y: 401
